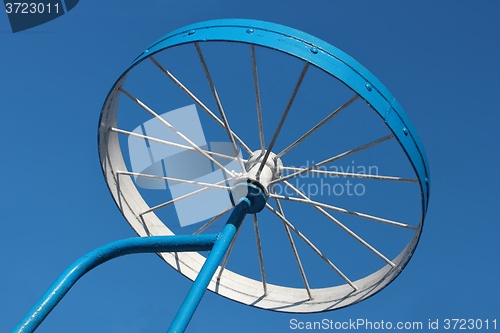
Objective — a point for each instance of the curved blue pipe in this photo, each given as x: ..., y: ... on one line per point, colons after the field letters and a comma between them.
x: 99, y: 256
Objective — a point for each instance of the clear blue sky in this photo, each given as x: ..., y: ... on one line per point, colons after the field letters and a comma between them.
x: 440, y: 61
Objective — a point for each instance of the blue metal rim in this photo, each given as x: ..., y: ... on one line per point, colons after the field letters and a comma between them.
x: 334, y: 62
x: 320, y: 54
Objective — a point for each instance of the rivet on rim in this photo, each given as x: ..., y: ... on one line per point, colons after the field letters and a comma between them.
x: 368, y: 87
x: 314, y: 50
x: 250, y: 31
x: 191, y: 32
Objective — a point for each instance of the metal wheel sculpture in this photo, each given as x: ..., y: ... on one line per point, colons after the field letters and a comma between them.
x: 267, y: 166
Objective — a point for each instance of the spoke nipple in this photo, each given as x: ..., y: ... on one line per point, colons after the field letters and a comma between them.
x: 314, y: 50
x: 368, y: 87
x: 250, y: 31
x: 191, y: 32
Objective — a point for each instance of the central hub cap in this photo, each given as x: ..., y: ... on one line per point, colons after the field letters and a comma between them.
x: 254, y: 186
x: 272, y: 169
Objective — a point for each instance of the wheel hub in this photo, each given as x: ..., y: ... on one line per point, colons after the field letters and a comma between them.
x: 254, y: 185
x: 272, y: 170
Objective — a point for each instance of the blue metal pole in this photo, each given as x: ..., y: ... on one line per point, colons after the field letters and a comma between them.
x: 206, y: 273
x: 99, y: 256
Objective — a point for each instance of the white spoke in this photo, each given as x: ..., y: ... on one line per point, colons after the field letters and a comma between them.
x: 259, y: 250
x: 173, y: 129
x: 175, y: 180
x: 185, y: 196
x: 212, y: 221
x: 354, y: 175
x: 172, y: 144
x: 337, y: 209
x: 229, y: 250
x: 294, y: 249
x: 221, y: 110
x: 197, y: 101
x: 257, y: 98
x: 337, y: 222
x: 331, y: 159
x: 278, y: 129
x: 311, y: 245
x: 315, y: 128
